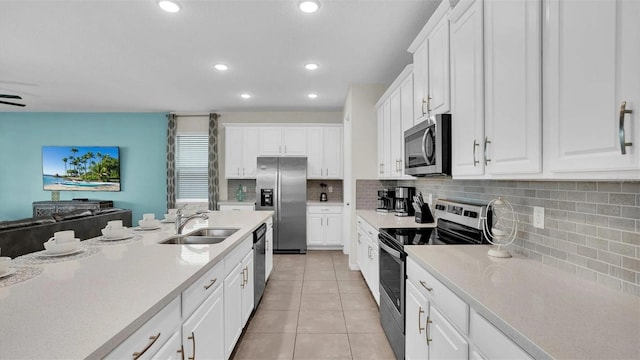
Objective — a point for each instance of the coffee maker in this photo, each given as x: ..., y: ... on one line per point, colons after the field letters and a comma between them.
x: 404, y: 199
x: 385, y: 201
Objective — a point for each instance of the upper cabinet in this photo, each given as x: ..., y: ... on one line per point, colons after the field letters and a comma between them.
x: 324, y: 152
x: 283, y: 141
x: 592, y: 87
x: 496, y: 88
x: 241, y: 151
x: 431, y: 66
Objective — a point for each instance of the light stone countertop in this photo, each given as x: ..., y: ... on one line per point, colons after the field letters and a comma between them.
x: 85, y: 308
x: 548, y: 312
x: 382, y: 220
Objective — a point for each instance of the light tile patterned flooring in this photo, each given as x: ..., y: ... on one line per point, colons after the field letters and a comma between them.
x: 314, y: 307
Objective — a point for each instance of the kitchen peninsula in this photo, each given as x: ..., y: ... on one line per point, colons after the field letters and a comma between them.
x: 85, y: 308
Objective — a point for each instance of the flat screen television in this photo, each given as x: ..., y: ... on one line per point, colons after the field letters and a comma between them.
x: 81, y: 168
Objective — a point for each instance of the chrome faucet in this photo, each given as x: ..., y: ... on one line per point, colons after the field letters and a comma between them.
x: 180, y: 223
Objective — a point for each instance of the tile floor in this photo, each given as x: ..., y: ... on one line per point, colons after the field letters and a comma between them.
x: 314, y: 307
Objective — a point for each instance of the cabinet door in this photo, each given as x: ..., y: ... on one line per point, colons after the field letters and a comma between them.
x: 332, y: 152
x: 513, y: 123
x: 467, y: 95
x: 270, y: 141
x: 374, y: 264
x: 294, y: 141
x: 362, y: 251
x: 406, y: 113
x: 233, y: 284
x: 591, y: 55
x: 438, y: 70
x: 247, y: 290
x: 333, y: 229
x: 416, y: 312
x: 315, y: 168
x: 420, y: 82
x: 251, y: 149
x: 268, y: 265
x: 446, y: 342
x: 233, y: 152
x: 172, y: 349
x: 315, y: 229
x: 384, y: 137
x: 396, y: 140
x: 203, y: 332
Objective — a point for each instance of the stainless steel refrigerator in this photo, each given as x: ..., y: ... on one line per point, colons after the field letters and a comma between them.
x: 281, y: 186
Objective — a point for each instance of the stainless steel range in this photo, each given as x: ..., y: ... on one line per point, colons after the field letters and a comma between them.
x: 458, y: 223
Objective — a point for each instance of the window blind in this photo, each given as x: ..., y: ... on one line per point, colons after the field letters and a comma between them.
x: 192, y: 170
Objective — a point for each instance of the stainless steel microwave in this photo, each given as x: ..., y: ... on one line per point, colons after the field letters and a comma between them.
x: 427, y: 147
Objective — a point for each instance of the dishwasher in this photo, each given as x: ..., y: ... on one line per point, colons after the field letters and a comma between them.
x: 259, y: 258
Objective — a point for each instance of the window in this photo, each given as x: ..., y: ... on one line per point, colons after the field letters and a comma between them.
x: 192, y: 170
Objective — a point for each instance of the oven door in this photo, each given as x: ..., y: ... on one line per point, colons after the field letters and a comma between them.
x: 420, y: 149
x: 392, y: 273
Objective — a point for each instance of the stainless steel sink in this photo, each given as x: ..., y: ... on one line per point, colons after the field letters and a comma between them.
x: 201, y: 237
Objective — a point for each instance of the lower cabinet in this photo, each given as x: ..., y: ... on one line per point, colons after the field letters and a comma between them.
x: 238, y: 293
x: 367, y: 256
x: 236, y: 207
x: 268, y: 248
x: 172, y: 349
x: 203, y: 331
x: 247, y: 288
x: 324, y: 226
x: 439, y: 325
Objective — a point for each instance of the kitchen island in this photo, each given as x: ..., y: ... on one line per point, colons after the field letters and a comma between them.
x: 85, y: 308
x: 545, y: 311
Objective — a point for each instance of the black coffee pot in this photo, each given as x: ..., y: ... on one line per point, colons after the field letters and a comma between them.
x: 323, y: 194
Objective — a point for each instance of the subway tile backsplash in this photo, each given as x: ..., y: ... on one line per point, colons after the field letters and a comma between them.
x: 592, y: 228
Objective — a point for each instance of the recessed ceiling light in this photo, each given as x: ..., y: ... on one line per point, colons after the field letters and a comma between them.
x: 171, y: 6
x: 245, y: 96
x: 221, y: 67
x: 312, y: 96
x: 311, y: 66
x: 309, y: 6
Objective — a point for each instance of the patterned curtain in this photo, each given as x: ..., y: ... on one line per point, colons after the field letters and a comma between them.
x: 213, y: 161
x: 171, y: 161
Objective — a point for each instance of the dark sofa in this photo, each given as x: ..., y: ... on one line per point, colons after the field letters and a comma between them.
x: 24, y: 236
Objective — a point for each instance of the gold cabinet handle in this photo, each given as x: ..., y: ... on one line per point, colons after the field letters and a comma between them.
x: 475, y: 145
x: 428, y: 332
x: 242, y: 283
x: 181, y: 352
x: 206, y: 287
x: 193, y: 345
x: 486, y: 159
x: 429, y: 103
x: 623, y: 143
x: 420, y: 312
x: 424, y: 102
x: 153, y: 339
x: 424, y: 285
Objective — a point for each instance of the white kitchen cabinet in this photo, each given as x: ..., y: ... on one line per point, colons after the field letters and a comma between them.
x: 406, y: 107
x: 396, y: 142
x: 430, y: 51
x: 467, y: 88
x: 384, y: 139
x: 324, y: 226
x: 236, y: 207
x: 241, y: 151
x: 445, y: 341
x: 203, y: 331
x: 324, y: 152
x: 416, y: 312
x: 172, y: 349
x: 492, y: 342
x: 247, y: 289
x: 513, y: 105
x: 236, y: 300
x: 283, y: 141
x: 591, y: 55
x: 268, y: 247
x: 368, y: 260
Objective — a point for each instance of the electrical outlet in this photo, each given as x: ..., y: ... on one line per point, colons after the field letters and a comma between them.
x: 538, y: 217
x: 330, y: 189
x: 244, y: 188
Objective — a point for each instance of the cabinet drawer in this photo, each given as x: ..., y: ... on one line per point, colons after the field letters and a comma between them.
x: 195, y: 294
x: 449, y: 303
x: 314, y: 209
x: 369, y: 230
x: 236, y: 255
x: 235, y: 207
x: 150, y: 336
x: 492, y: 342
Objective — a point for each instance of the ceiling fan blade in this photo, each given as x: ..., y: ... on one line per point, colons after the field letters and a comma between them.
x: 12, y: 103
x: 10, y: 96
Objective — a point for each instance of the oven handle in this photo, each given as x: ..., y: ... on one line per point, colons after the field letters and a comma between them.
x: 424, y: 146
x: 395, y: 253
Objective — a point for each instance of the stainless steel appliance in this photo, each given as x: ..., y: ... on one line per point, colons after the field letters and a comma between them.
x: 281, y: 186
x: 457, y: 223
x: 259, y: 263
x: 385, y: 201
x: 404, y: 199
x: 427, y: 147
x: 323, y: 194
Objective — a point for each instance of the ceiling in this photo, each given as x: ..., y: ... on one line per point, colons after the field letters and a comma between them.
x: 130, y: 56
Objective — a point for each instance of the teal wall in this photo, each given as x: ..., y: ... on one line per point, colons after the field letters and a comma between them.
x: 140, y: 136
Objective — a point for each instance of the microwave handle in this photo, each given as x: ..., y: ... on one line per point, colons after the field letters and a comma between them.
x: 424, y: 145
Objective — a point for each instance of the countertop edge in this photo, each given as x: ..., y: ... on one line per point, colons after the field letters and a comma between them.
x: 525, y: 343
x: 121, y: 336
